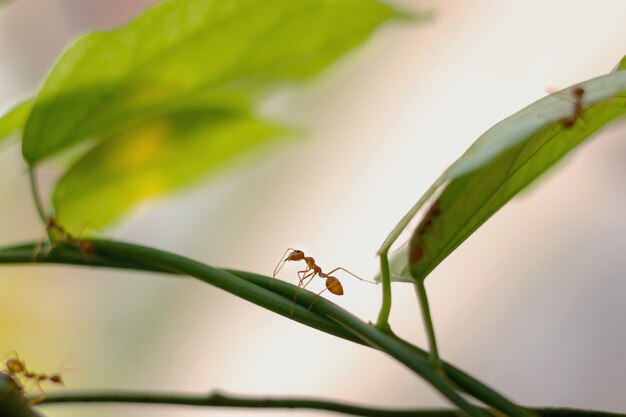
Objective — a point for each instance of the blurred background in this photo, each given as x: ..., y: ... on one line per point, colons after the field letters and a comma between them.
x: 533, y: 303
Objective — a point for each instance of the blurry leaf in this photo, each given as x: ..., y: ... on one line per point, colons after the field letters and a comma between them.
x: 179, y: 48
x: 503, y: 161
x: 153, y: 158
x: 15, y: 119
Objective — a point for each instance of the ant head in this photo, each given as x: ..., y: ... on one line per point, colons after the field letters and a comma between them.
x: 57, y: 379
x: 295, y: 255
x: 578, y: 92
x: 15, y: 366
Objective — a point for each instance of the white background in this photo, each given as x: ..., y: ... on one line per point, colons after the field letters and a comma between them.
x: 532, y: 303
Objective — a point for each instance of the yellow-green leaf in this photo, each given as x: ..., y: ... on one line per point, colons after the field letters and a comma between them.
x: 181, y: 48
x: 13, y: 121
x: 151, y: 159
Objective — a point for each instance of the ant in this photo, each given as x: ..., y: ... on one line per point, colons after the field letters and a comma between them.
x: 16, y: 369
x: 577, y: 110
x: 417, y: 250
x: 312, y: 269
x: 58, y: 235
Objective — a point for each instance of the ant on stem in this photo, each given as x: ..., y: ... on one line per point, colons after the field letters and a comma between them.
x: 58, y: 235
x: 16, y: 369
x: 311, y: 271
x: 578, y: 110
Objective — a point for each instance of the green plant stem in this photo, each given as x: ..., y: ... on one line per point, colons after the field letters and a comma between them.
x: 223, y: 400
x: 428, y: 323
x: 12, y: 400
x: 385, y: 309
x: 217, y: 399
x: 284, y: 306
x: 34, y: 189
x: 69, y: 254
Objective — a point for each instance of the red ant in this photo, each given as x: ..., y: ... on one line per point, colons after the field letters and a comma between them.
x: 16, y: 369
x: 58, y: 235
x: 312, y: 269
x: 577, y: 111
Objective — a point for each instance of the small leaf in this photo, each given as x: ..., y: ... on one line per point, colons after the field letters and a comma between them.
x: 153, y: 158
x: 180, y: 48
x: 502, y: 162
x: 14, y: 120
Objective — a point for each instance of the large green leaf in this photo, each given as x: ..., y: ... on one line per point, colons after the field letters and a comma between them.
x: 152, y: 158
x: 179, y: 48
x: 497, y: 166
x: 13, y: 121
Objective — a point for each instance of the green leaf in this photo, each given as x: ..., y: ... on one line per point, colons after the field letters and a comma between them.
x: 502, y: 162
x: 180, y: 48
x: 153, y: 158
x: 15, y: 119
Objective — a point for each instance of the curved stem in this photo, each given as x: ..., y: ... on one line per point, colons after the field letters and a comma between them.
x: 428, y: 323
x: 223, y: 400
x: 319, y: 313
x: 385, y: 309
x: 34, y: 189
x: 282, y: 305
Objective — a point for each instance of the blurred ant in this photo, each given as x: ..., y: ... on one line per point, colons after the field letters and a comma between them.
x: 312, y: 269
x: 58, y: 235
x: 577, y: 110
x: 16, y: 368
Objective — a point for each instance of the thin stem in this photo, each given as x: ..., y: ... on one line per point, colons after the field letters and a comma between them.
x: 312, y: 316
x: 385, y: 309
x: 428, y: 323
x: 34, y: 189
x: 223, y: 400
x: 230, y: 401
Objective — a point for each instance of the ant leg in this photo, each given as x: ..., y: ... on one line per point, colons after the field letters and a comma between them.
x: 313, y: 302
x: 37, y: 249
x: 312, y: 275
x: 41, y: 396
x: 354, y: 275
x: 304, y: 276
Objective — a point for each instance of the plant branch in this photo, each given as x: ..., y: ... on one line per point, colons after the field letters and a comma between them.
x: 285, y: 306
x: 428, y: 323
x: 34, y: 189
x: 217, y: 399
x: 277, y: 296
x: 385, y: 309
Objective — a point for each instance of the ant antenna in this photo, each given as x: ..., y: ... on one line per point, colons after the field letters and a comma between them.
x: 281, y: 263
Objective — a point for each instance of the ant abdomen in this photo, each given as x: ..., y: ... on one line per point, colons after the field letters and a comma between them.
x: 333, y: 285
x: 57, y: 379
